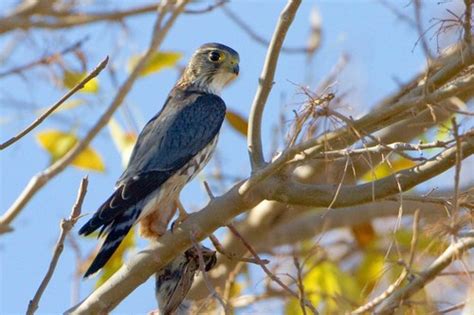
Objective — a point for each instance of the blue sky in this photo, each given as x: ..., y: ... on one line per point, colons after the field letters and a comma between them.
x: 380, y: 49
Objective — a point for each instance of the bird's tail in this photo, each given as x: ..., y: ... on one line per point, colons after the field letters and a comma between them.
x: 116, y: 232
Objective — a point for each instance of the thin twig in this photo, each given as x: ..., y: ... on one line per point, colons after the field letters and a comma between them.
x: 38, y: 181
x: 454, y: 251
x: 258, y: 38
x: 209, y: 8
x: 468, y: 25
x: 457, y: 172
x: 221, y: 250
x: 266, y: 82
x: 49, y: 111
x: 267, y: 271
x: 202, y: 265
x: 403, y: 275
x: 46, y: 60
x: 300, y: 283
x: 66, y: 226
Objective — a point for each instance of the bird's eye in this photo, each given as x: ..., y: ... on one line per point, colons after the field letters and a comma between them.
x: 214, y: 56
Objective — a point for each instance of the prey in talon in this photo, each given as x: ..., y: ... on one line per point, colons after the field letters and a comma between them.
x: 173, y: 147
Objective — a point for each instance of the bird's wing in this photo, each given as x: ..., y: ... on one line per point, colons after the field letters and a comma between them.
x: 187, y: 124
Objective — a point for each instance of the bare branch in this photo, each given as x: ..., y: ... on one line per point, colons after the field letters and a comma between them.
x: 268, y: 272
x: 266, y: 82
x: 468, y: 25
x: 66, y: 226
x: 46, y: 60
x: 258, y: 38
x: 38, y: 181
x: 50, y: 110
x: 454, y: 251
x: 322, y: 195
x: 404, y: 274
x: 202, y: 266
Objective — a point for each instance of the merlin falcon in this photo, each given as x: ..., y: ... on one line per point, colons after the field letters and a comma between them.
x: 171, y: 149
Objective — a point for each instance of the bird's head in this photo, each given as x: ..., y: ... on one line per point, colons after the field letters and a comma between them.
x: 211, y: 67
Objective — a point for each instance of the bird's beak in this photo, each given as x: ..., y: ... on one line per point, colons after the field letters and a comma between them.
x: 235, y: 69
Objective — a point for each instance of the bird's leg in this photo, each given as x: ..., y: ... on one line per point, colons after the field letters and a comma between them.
x: 182, y: 215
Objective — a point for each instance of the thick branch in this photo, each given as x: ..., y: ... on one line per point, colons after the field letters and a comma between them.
x: 323, y: 195
x: 308, y: 225
x: 266, y: 83
x: 222, y: 209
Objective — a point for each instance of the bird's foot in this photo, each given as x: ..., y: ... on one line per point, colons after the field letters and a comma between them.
x: 182, y: 216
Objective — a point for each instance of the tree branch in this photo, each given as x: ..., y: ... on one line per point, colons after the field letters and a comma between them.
x: 50, y: 110
x: 39, y: 180
x: 292, y: 192
x: 66, y: 226
x: 221, y: 210
x: 265, y: 84
x: 454, y: 251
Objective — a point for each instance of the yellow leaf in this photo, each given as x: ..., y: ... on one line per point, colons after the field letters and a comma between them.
x: 237, y: 122
x: 124, y: 141
x: 117, y: 259
x: 90, y: 160
x: 444, y: 130
x: 159, y: 61
x: 370, y: 270
x: 71, y: 78
x: 323, y: 284
x: 58, y: 143
x: 385, y: 169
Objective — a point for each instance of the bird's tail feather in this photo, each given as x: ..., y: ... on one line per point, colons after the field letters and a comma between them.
x: 116, y: 233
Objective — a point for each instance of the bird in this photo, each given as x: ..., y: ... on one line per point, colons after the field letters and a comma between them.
x: 172, y: 148
x: 173, y: 282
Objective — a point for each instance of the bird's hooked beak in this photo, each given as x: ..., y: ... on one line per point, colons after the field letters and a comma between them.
x: 234, y: 66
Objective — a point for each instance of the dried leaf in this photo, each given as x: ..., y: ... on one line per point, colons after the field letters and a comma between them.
x: 58, y: 143
x: 237, y: 122
x: 159, y: 61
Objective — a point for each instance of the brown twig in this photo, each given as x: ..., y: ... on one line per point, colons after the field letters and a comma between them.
x: 221, y: 250
x: 299, y: 272
x: 267, y: 271
x: 266, y: 82
x: 202, y: 266
x: 452, y: 252
x: 457, y: 172
x: 403, y: 275
x: 66, y: 226
x: 209, y: 8
x: 50, y: 110
x: 46, y: 60
x: 468, y: 25
x: 258, y: 38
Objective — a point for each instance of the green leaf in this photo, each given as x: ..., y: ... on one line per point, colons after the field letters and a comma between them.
x: 58, y: 143
x: 71, y: 78
x: 159, y: 60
